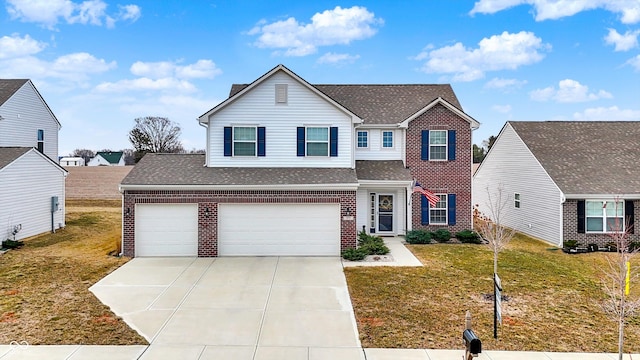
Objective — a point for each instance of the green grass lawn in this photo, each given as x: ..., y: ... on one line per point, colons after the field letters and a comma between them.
x: 553, y: 300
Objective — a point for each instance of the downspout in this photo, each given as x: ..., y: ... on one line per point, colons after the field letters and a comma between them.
x: 206, y: 156
x: 563, y: 199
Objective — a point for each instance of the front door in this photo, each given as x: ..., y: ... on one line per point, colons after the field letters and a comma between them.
x: 385, y: 213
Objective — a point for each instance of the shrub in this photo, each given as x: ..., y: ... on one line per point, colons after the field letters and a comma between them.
x: 441, y: 235
x: 374, y: 248
x: 12, y: 244
x: 364, y: 238
x: 418, y: 237
x: 634, y: 245
x: 468, y: 237
x: 354, y: 254
x: 570, y: 244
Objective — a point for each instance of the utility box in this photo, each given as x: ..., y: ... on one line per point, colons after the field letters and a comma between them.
x: 54, y: 204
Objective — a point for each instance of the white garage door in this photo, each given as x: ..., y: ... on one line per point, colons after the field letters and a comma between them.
x: 279, y: 229
x: 166, y: 230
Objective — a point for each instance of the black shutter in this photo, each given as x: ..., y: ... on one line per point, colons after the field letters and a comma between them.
x: 424, y: 142
x: 227, y: 140
x: 333, y: 141
x: 300, y: 141
x: 581, y: 217
x: 629, y: 215
x: 261, y: 141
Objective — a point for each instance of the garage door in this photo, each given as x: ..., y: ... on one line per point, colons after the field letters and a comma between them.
x: 166, y: 230
x: 279, y: 229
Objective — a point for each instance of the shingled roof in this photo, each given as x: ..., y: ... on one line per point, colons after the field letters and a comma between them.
x: 586, y: 157
x: 189, y: 169
x: 8, y: 87
x: 386, y: 170
x: 382, y: 104
x: 10, y: 154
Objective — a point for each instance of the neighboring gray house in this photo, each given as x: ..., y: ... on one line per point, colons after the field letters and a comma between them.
x: 565, y: 180
x: 29, y: 177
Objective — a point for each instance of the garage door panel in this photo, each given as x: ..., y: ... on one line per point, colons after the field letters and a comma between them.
x: 279, y: 229
x: 166, y: 230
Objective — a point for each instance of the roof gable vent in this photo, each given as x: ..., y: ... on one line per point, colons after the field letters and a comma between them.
x: 281, y: 93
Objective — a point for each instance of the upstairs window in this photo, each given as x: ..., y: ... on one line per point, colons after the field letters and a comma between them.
x: 516, y: 200
x: 244, y: 141
x: 363, y: 139
x: 387, y: 139
x: 40, y: 145
x: 438, y: 145
x: 317, y: 141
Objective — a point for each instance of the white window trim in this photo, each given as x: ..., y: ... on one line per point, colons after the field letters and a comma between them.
x: 446, y: 146
x: 517, y: 200
x: 393, y: 140
x: 603, y: 217
x: 357, y: 142
x: 446, y: 210
x: 306, y: 141
x: 233, y: 141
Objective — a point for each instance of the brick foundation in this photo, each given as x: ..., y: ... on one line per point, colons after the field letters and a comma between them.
x: 209, y: 200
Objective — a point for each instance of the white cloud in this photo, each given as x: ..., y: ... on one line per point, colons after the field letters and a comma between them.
x: 49, y: 12
x: 556, y: 9
x: 331, y: 27
x: 163, y: 69
x: 503, y: 109
x: 504, y: 84
x: 499, y: 52
x: 568, y: 91
x: 622, y: 42
x: 635, y: 62
x: 146, y: 84
x: 15, y: 46
x: 332, y: 58
x: 610, y: 113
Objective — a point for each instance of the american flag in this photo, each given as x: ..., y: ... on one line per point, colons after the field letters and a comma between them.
x: 431, y: 197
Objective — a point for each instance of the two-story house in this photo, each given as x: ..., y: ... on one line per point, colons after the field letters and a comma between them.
x: 32, y: 184
x: 293, y: 168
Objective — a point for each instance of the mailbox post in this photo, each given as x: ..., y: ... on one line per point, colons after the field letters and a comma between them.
x: 472, y: 344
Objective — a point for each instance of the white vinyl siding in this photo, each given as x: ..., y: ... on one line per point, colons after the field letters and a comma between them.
x: 26, y: 188
x: 304, y: 108
x: 376, y: 151
x: 511, y: 165
x: 22, y: 116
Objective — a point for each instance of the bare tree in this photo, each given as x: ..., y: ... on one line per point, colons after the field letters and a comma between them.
x: 86, y: 154
x: 490, y: 225
x: 618, y: 304
x: 129, y: 156
x: 155, y: 134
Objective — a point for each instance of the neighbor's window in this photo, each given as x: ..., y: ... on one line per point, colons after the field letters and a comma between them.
x: 438, y: 145
x: 604, y: 216
x: 40, y: 145
x: 363, y: 139
x: 244, y: 141
x: 516, y: 200
x: 387, y: 139
x: 317, y: 141
x: 438, y: 213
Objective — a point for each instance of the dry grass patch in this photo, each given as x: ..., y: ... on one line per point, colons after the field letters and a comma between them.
x: 553, y: 300
x: 44, y: 296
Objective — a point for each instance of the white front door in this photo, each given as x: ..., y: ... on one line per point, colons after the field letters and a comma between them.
x: 385, y: 209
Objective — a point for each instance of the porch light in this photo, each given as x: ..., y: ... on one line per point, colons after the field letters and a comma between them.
x: 348, y: 211
x: 207, y: 213
x: 127, y: 212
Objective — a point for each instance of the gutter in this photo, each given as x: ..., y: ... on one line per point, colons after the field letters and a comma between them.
x: 348, y: 186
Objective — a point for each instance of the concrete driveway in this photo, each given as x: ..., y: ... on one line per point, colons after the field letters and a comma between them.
x: 236, y: 308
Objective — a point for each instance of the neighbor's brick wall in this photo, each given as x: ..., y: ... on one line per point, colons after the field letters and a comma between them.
x: 207, y: 225
x: 570, y: 225
x: 451, y: 177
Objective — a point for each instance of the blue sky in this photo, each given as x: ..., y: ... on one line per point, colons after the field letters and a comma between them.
x: 99, y: 64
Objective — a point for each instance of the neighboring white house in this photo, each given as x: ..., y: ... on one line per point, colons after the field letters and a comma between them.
x: 30, y: 180
x: 564, y: 180
x: 107, y: 158
x: 72, y: 161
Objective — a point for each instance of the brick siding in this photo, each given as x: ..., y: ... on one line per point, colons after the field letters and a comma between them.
x: 451, y: 177
x: 208, y: 221
x: 570, y: 226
